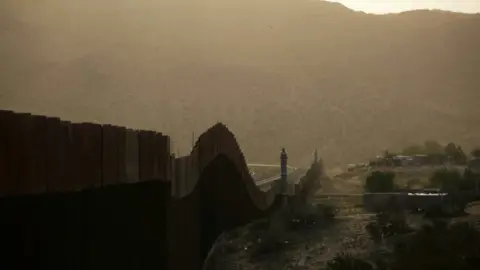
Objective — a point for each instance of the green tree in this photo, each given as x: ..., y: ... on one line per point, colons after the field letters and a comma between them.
x: 446, y: 180
x: 460, y: 157
x: 380, y: 182
x: 388, y: 158
x: 468, y: 180
x: 455, y: 153
x: 450, y: 149
x: 413, y: 150
x: 476, y: 152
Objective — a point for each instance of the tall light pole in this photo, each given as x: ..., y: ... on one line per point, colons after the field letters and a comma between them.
x: 283, y: 173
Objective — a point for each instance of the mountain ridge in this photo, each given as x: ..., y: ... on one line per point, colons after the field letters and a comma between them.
x: 300, y: 75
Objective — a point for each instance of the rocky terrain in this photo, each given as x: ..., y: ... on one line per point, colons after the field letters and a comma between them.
x: 312, y: 245
x: 309, y: 247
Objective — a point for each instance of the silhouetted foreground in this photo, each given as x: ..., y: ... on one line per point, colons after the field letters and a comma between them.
x: 86, y: 196
x: 116, y: 227
x: 439, y: 245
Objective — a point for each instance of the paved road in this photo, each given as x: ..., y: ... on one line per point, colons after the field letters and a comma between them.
x: 269, y: 165
x: 323, y: 195
x: 269, y: 179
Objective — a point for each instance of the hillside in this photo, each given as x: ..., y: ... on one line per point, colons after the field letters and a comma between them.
x: 291, y: 73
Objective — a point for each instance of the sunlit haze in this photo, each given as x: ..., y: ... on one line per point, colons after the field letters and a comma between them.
x: 393, y: 6
x: 299, y: 74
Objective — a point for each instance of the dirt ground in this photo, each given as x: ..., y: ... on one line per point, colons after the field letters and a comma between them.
x: 312, y: 247
x: 307, y: 249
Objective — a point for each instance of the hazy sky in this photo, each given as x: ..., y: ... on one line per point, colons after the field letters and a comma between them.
x: 390, y: 6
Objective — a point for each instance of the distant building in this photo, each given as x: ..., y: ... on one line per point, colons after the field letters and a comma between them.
x: 416, y: 160
x: 402, y: 160
x: 420, y: 160
x: 409, y: 199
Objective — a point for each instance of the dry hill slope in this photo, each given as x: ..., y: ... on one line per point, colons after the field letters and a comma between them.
x: 292, y: 73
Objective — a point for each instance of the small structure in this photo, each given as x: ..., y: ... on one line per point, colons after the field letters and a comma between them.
x: 406, y: 199
x: 402, y: 161
x: 420, y: 160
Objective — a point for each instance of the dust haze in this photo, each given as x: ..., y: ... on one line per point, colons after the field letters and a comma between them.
x: 280, y: 73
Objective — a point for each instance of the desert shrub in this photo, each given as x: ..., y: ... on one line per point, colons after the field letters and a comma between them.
x: 313, y: 216
x: 325, y: 211
x: 388, y: 224
x: 413, y: 183
x: 268, y: 245
x: 440, y: 246
x: 397, y: 225
x: 329, y: 212
x: 446, y: 180
x: 374, y: 231
x: 475, y: 152
x: 345, y: 261
x: 468, y: 180
x: 455, y: 153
